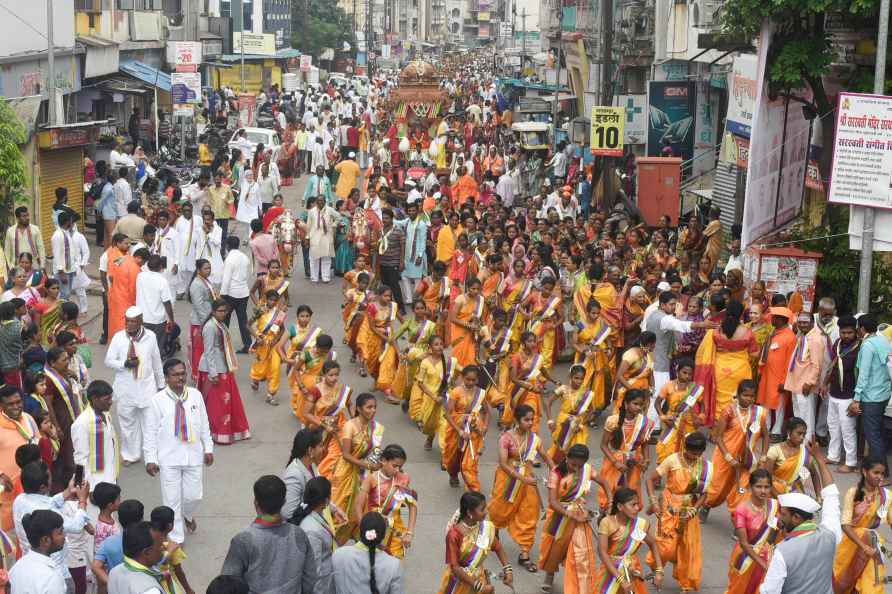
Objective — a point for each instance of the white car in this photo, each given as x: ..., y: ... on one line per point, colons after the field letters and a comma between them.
x: 255, y: 136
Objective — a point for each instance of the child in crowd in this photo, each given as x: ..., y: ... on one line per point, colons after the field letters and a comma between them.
x: 171, y: 563
x: 49, y: 441
x: 111, y: 553
x: 106, y: 497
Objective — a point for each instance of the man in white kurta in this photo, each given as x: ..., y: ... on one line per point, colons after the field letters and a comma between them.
x: 167, y: 246
x: 178, y: 442
x: 186, y: 228
x: 322, y: 221
x: 134, y: 356
x: 94, y: 438
x: 209, y: 246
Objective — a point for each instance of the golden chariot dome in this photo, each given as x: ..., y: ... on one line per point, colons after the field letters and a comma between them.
x: 418, y: 71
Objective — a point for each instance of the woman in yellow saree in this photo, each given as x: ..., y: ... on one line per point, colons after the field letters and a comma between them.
x: 360, y: 265
x: 301, y: 336
x: 274, y: 280
x: 497, y: 348
x: 513, y: 292
x: 619, y: 536
x: 636, y: 369
x: 435, y: 290
x: 465, y: 321
x: 790, y: 463
x: 361, y: 438
x: 355, y: 301
x: 528, y: 379
x: 757, y: 527
x: 269, y: 327
x: 624, y: 445
x: 432, y: 383
x: 544, y: 308
x: 686, y: 476
x: 327, y: 406
x: 515, y: 502
x: 305, y: 371
x: 593, y: 343
x: 724, y: 359
x: 376, y: 348
x: 567, y: 532
x: 467, y: 419
x: 571, y: 425
x: 470, y: 537
x: 738, y: 432
x: 387, y: 492
x: 865, y: 508
x: 418, y: 330
x: 678, y: 405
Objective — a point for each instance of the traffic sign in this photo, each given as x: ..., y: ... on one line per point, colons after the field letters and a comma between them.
x: 607, y: 131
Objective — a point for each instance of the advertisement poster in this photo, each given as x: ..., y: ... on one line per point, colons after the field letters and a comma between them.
x: 635, y: 130
x: 306, y: 61
x: 185, y: 87
x: 862, y: 151
x: 671, y: 118
x: 607, y: 131
x: 778, y: 156
x: 705, y: 129
x: 742, y: 95
x: 246, y: 104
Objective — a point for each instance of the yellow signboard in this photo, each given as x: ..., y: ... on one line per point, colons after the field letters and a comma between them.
x: 607, y: 131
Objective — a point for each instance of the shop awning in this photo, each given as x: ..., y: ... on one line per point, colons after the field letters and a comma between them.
x: 26, y: 109
x: 147, y: 74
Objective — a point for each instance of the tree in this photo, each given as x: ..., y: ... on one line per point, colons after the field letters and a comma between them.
x: 317, y: 24
x: 12, y: 165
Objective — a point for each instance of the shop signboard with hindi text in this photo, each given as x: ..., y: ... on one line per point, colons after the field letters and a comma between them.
x: 607, y: 125
x: 861, y: 174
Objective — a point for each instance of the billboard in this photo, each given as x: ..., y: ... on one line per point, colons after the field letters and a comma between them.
x: 260, y: 44
x: 742, y: 95
x: 185, y: 87
x: 671, y: 117
x: 635, y: 129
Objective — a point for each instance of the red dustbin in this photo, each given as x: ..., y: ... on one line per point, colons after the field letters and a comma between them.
x: 659, y: 188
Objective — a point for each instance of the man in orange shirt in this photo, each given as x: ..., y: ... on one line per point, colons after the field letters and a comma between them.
x: 773, y: 365
x: 122, y: 272
x: 17, y: 428
x: 466, y: 187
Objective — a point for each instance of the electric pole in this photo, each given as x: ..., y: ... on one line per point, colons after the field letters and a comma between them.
x: 607, y: 52
x: 51, y: 65
x: 523, y: 51
x: 557, y: 82
x: 867, y: 231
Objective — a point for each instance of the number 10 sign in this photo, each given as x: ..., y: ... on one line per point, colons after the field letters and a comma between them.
x: 607, y: 131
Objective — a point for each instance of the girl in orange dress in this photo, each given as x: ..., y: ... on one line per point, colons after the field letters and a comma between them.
x: 528, y: 377
x: 435, y: 290
x: 491, y: 278
x: 515, y: 502
x: 378, y: 354
x: 544, y: 307
x: 624, y: 444
x: 355, y: 301
x: 741, y: 438
x: 305, y: 371
x: 567, y: 536
x: 619, y: 536
x: 461, y: 266
x: 351, y: 277
x: 328, y: 406
x: 513, y: 293
x: 466, y: 319
x: 467, y: 419
x: 678, y: 405
x: 636, y: 369
x: 758, y: 529
x: 594, y: 345
x: 686, y: 476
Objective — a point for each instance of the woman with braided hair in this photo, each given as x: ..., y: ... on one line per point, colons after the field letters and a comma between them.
x: 364, y: 567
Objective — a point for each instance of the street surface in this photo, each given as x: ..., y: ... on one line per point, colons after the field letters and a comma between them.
x: 228, y: 500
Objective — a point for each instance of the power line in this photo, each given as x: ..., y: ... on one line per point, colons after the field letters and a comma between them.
x: 24, y: 22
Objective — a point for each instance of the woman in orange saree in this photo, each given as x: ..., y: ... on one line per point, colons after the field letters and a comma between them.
x: 418, y: 329
x: 355, y: 301
x: 432, y: 383
x: 790, y: 462
x: 435, y: 290
x: 515, y: 502
x: 376, y: 347
x: 466, y: 319
x: 467, y: 419
x: 619, y: 536
x: 544, y: 308
x: 724, y: 359
x: 624, y: 444
x: 571, y: 425
x: 305, y: 371
x: 491, y: 278
x: 567, y: 536
x: 737, y: 433
x: 678, y: 405
x: 757, y: 527
x: 593, y: 343
x: 470, y: 537
x: 636, y: 369
x: 528, y: 378
x: 327, y: 406
x: 513, y: 292
x: 360, y: 265
x: 864, y: 509
x: 462, y: 266
x: 686, y: 476
x: 360, y: 442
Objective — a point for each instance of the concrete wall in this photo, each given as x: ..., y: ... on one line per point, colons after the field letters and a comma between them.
x: 17, y: 38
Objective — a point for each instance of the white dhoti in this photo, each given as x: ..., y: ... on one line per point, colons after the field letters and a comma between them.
x: 182, y: 280
x: 661, y: 378
x: 843, y: 434
x: 181, y: 491
x: 804, y: 407
x: 132, y: 419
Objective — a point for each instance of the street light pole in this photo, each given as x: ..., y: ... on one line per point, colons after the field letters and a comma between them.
x: 51, y: 65
x: 867, y: 232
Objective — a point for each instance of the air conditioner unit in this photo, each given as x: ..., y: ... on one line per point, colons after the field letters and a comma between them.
x: 703, y: 13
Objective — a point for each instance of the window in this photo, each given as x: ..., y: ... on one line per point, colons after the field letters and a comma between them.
x: 454, y: 27
x: 456, y: 13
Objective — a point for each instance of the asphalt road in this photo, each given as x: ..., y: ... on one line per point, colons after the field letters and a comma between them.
x: 227, y: 506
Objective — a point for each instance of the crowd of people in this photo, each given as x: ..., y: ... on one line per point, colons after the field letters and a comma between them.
x: 463, y: 292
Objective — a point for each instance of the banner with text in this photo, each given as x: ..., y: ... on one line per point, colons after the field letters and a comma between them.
x: 671, y: 114
x: 607, y: 131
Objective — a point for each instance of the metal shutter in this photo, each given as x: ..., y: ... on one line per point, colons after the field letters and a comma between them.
x: 724, y: 194
x: 60, y: 168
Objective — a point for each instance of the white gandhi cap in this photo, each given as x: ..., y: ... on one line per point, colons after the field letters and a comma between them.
x: 133, y: 312
x: 799, y: 501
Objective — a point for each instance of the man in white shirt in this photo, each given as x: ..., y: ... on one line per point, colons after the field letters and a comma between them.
x: 64, y: 255
x: 123, y: 193
x: 133, y: 354
x: 35, y: 573
x: 36, y: 486
x: 735, y: 260
x: 24, y: 237
x: 507, y: 186
x: 186, y: 228
x: 178, y: 443
x: 209, y: 245
x: 236, y: 287
x: 154, y: 298
x: 94, y: 438
x: 167, y: 246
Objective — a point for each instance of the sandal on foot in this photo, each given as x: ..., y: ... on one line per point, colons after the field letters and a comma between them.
x: 546, y: 588
x: 453, y: 482
x: 527, y: 564
x: 428, y: 446
x: 363, y: 373
x: 255, y: 386
x: 272, y: 400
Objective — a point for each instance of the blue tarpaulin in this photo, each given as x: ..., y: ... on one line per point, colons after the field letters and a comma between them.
x: 147, y: 74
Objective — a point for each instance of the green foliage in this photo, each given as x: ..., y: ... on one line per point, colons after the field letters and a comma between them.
x: 317, y: 24
x: 12, y: 165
